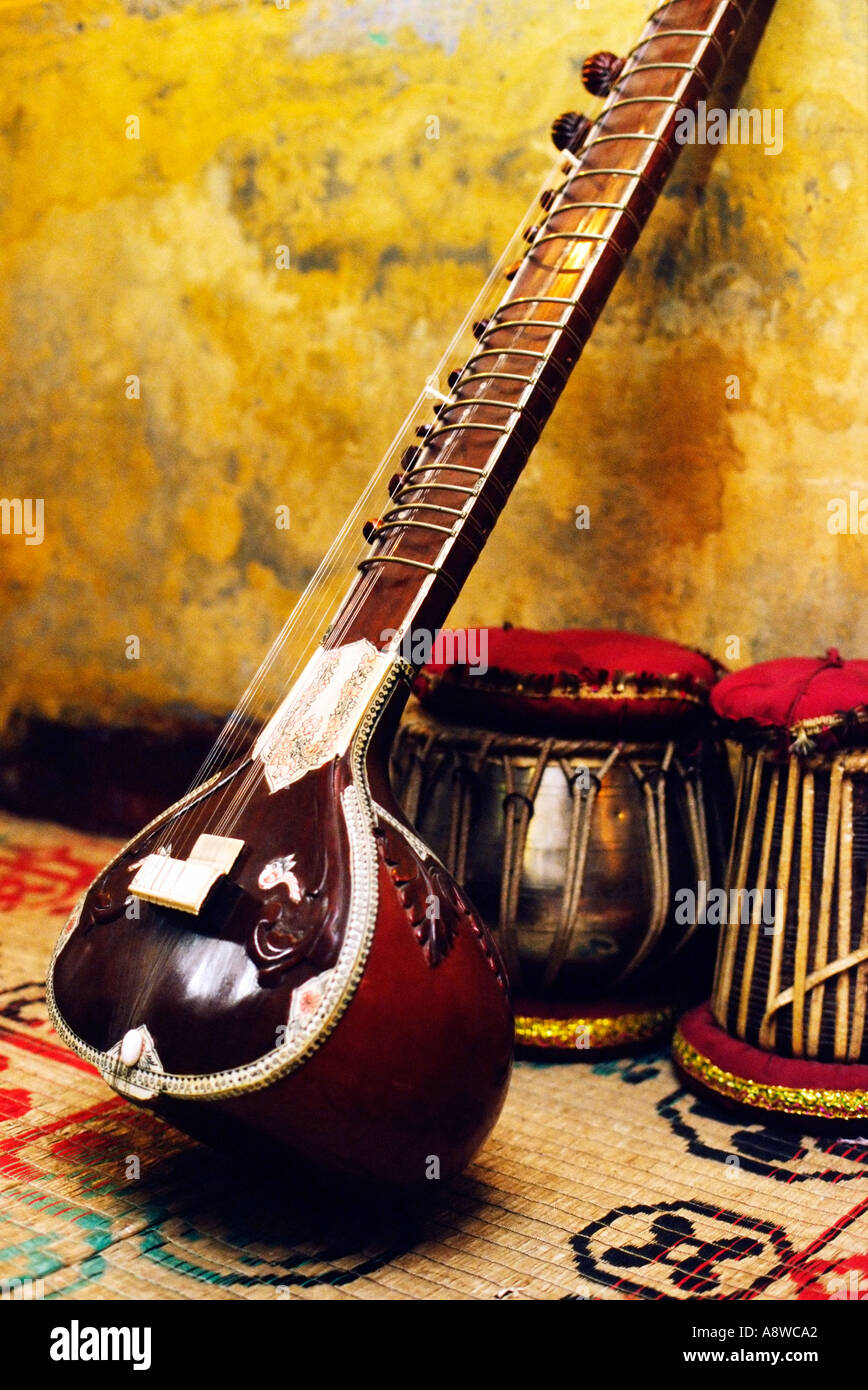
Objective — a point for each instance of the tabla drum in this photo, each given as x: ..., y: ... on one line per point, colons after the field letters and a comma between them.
x: 785, y: 1028
x: 579, y: 792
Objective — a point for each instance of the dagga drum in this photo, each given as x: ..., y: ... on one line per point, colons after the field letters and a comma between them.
x: 569, y: 782
x: 785, y: 1028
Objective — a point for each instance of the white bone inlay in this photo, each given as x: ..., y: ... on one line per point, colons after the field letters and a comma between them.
x: 132, y: 1047
x: 186, y: 883
x: 322, y: 711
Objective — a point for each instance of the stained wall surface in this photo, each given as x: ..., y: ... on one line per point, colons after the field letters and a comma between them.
x: 310, y: 126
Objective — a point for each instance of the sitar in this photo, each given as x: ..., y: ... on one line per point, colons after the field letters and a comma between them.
x: 279, y: 955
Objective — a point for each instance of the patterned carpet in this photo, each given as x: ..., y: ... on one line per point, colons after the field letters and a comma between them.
x: 602, y: 1181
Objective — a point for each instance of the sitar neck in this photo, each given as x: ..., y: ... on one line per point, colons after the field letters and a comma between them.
x: 459, y: 475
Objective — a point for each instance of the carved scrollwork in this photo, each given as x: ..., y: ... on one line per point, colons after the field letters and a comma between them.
x: 430, y: 898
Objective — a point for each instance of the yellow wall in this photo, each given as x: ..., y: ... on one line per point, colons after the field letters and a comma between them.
x: 259, y: 387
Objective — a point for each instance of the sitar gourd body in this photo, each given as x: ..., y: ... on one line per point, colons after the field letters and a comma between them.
x: 336, y: 994
x: 279, y: 952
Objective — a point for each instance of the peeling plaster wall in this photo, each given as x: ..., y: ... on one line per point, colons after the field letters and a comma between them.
x: 261, y: 387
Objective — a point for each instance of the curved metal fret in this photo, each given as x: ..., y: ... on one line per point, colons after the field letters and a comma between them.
x: 678, y: 34
x: 548, y: 299
x: 501, y: 376
x: 364, y: 565
x: 469, y: 493
x: 627, y: 135
x: 392, y: 519
x: 467, y: 401
x: 399, y: 560
x: 506, y: 352
x: 641, y: 101
x: 453, y: 468
x: 385, y: 525
x: 612, y: 207
x: 666, y: 3
x: 449, y: 487
x: 468, y: 425
x: 554, y: 325
x: 592, y: 173
x: 445, y: 487
x: 659, y: 67
x: 428, y: 506
x: 583, y: 236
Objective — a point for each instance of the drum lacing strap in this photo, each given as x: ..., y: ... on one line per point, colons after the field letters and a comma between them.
x: 739, y: 789
x: 581, y: 815
x: 655, y: 813
x: 768, y: 1028
x: 817, y: 977
x: 465, y: 776
x: 697, y: 834
x: 821, y: 948
x: 416, y: 779
x: 747, y: 968
x: 518, y: 809
x: 838, y: 846
x: 749, y: 781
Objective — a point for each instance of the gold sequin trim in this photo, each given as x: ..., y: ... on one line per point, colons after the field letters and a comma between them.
x: 790, y: 1100
x: 581, y: 1033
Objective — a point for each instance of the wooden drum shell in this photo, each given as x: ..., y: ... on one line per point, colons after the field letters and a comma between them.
x: 795, y: 982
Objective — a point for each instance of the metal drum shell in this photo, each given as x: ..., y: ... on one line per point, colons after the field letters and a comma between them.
x: 658, y: 820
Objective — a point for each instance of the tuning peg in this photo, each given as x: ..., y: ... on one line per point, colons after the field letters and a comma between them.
x: 600, y: 72
x: 513, y: 270
x: 422, y: 431
x: 452, y: 379
x: 409, y: 457
x: 369, y: 530
x: 569, y: 130
x: 394, y: 483
x: 546, y: 198
x: 531, y: 233
x: 480, y: 326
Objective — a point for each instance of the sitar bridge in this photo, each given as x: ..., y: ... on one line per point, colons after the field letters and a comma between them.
x: 186, y: 883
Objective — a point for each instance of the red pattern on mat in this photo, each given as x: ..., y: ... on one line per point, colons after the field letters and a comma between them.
x: 14, y: 1101
x: 12, y: 1165
x: 41, y: 1047
x: 50, y: 879
x: 87, y: 1139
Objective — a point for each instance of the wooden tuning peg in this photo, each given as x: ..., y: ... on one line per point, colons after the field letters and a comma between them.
x: 569, y: 130
x: 600, y: 72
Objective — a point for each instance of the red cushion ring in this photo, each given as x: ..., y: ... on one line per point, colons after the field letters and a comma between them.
x: 800, y: 702
x: 523, y: 678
